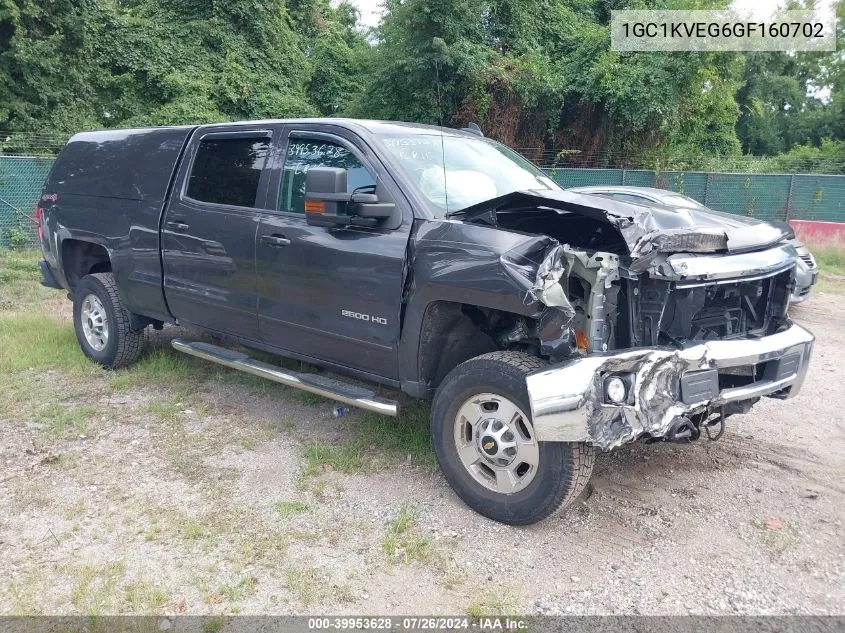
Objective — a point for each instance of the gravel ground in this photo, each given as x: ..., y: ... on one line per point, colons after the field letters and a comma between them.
x: 202, y: 503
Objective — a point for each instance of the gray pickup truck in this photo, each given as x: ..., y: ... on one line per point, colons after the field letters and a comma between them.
x: 544, y: 324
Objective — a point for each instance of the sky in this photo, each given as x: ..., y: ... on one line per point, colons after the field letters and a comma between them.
x: 370, y: 11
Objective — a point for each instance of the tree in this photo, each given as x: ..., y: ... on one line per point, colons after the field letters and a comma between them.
x: 46, y: 53
x: 532, y: 73
x: 74, y: 65
x: 542, y: 72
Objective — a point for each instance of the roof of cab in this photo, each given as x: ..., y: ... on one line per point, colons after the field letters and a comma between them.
x: 370, y: 125
x: 373, y: 126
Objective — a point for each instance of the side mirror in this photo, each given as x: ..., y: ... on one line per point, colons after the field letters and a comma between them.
x: 326, y: 199
x: 327, y: 202
x: 325, y: 190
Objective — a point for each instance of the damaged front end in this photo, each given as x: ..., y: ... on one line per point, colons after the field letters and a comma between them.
x: 666, y: 387
x: 683, y: 324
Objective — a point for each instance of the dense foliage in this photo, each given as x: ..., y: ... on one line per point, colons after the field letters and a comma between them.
x: 533, y: 73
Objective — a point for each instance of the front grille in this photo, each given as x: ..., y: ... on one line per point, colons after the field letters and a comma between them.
x: 808, y: 259
x: 717, y: 311
x: 662, y: 312
x: 667, y: 313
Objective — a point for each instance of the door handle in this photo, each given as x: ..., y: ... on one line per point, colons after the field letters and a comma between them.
x: 275, y: 240
x: 181, y: 227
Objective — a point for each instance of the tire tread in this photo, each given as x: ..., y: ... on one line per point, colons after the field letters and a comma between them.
x: 130, y: 342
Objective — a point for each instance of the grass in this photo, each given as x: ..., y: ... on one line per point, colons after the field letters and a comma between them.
x: 378, y: 442
x: 168, y: 410
x: 158, y: 367
x: 831, y: 260
x: 95, y: 588
x: 19, y: 280
x: 402, y: 543
x: 346, y: 458
x: 143, y: 597
x: 502, y: 602
x: 404, y: 437
x: 192, y: 530
x: 39, y: 341
x: 29, y: 495
x: 234, y: 592
x: 285, y: 509
x: 308, y: 584
x: 309, y: 399
x: 237, y: 533
x: 61, y: 421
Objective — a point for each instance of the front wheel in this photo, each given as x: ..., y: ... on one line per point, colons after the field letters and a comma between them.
x: 485, y: 443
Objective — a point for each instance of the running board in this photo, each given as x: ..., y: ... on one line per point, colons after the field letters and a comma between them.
x: 314, y: 383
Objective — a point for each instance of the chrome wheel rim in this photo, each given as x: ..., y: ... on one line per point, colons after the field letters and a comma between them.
x: 95, y: 323
x: 495, y: 443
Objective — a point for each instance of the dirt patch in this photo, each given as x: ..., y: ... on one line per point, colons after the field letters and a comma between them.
x: 199, y: 495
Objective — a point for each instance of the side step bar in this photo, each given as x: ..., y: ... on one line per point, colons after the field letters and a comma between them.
x: 314, y: 383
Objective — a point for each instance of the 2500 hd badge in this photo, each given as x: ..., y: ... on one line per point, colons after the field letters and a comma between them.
x: 361, y: 316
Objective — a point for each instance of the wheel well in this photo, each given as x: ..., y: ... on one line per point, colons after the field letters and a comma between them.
x: 83, y: 258
x: 455, y: 332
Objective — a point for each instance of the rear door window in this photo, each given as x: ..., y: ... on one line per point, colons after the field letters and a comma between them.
x: 227, y: 170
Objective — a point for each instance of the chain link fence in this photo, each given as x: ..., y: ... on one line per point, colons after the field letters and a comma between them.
x: 763, y: 196
x: 815, y: 191
x: 25, y: 161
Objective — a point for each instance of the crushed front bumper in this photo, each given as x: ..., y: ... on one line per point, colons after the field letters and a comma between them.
x: 568, y: 402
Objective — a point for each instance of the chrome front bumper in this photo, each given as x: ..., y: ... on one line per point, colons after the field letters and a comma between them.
x: 568, y: 405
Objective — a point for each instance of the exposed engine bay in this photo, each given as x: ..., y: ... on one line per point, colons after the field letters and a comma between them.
x: 603, y: 299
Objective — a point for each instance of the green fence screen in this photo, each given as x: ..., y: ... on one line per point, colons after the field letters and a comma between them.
x: 765, y: 196
x: 21, y: 179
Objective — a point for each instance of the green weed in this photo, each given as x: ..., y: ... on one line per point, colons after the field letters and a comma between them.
x: 502, y: 602
x: 307, y: 583
x: 402, y: 543
x: 240, y: 590
x: 290, y: 508
x: 308, y: 398
x: 61, y: 421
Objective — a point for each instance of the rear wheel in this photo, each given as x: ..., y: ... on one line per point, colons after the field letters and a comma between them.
x: 102, y: 322
x: 486, y: 444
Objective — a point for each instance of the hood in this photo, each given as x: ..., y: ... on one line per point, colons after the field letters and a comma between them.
x: 646, y: 229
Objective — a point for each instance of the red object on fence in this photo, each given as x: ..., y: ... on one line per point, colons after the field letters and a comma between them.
x: 39, y: 218
x: 819, y: 233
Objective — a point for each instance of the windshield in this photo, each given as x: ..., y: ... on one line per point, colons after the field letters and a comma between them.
x: 475, y: 170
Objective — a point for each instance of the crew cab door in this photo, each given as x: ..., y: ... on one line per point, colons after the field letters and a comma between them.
x: 333, y: 294
x: 208, y: 231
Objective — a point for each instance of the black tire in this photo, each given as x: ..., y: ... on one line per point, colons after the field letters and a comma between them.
x: 563, y: 469
x: 123, y: 345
